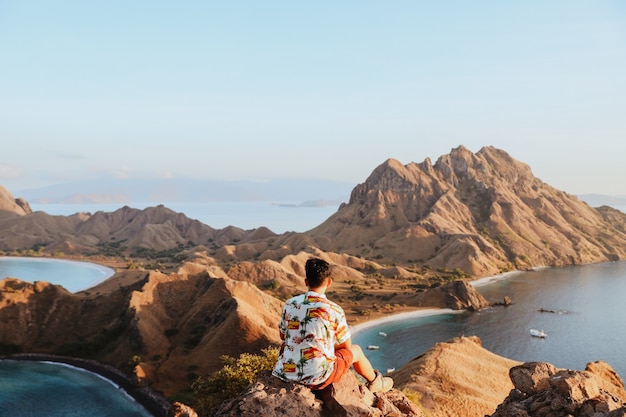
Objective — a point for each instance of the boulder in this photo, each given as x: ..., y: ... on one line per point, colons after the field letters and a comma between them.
x: 271, y: 397
x: 541, y: 390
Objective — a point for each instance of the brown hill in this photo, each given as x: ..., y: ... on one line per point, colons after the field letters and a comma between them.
x: 171, y: 327
x: 457, y: 378
x: 482, y: 213
x: 187, y: 322
x: 124, y: 232
x: 46, y: 318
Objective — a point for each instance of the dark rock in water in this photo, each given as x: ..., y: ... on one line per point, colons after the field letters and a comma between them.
x: 541, y: 390
x: 272, y: 397
x: 505, y: 302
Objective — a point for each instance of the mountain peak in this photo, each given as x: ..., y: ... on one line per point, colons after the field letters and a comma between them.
x: 483, y: 213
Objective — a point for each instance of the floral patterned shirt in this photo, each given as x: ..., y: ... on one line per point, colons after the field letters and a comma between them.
x: 311, y: 326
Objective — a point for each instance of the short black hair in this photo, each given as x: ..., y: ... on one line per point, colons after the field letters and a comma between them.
x: 316, y: 271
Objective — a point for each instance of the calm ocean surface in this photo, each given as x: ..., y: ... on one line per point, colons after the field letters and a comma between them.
x: 72, y: 275
x: 588, y: 323
x: 43, y: 389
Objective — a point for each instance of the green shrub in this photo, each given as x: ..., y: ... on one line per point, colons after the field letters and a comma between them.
x: 231, y: 380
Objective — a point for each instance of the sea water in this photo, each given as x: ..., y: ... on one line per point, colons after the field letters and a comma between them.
x: 72, y: 275
x: 36, y: 389
x: 583, y: 315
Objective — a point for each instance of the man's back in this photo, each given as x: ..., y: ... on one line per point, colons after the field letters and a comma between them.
x: 311, y: 326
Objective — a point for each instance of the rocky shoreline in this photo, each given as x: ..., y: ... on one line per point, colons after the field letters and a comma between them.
x: 157, y: 405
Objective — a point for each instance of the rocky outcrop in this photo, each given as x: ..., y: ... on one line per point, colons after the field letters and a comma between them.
x: 9, y: 204
x: 455, y: 295
x: 271, y: 397
x: 541, y: 390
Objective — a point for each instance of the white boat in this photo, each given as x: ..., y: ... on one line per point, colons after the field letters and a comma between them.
x: 383, y: 334
x: 390, y: 370
x: 373, y: 347
x: 538, y: 333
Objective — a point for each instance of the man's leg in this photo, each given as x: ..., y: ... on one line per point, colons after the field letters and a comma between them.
x: 361, y: 364
x: 376, y: 382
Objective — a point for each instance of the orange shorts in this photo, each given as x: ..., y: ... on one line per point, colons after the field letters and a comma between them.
x: 343, y: 362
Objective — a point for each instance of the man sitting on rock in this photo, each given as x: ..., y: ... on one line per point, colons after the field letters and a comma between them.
x: 317, y: 349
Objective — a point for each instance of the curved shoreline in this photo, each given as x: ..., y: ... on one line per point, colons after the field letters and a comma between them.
x: 144, y: 395
x: 104, y: 272
x: 425, y: 312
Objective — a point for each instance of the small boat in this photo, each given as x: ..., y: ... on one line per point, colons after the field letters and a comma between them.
x: 373, y: 347
x: 538, y: 333
x: 383, y: 334
x: 390, y: 370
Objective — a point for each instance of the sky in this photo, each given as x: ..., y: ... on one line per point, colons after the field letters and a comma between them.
x: 268, y: 89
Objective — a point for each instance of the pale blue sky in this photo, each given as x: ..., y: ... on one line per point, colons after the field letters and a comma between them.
x: 271, y: 89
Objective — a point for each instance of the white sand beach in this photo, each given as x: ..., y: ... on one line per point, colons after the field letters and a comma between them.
x: 401, y: 316
x: 432, y: 311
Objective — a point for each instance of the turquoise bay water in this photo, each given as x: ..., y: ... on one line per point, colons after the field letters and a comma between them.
x: 72, y: 275
x: 588, y: 322
x: 43, y: 389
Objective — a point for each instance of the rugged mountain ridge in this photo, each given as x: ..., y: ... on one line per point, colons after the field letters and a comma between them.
x: 483, y: 213
x: 478, y: 213
x: 123, y: 232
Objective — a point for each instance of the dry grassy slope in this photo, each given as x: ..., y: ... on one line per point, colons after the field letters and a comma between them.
x: 482, y: 213
x: 457, y: 378
x: 186, y: 322
x: 45, y: 318
x: 156, y: 228
x: 179, y: 324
